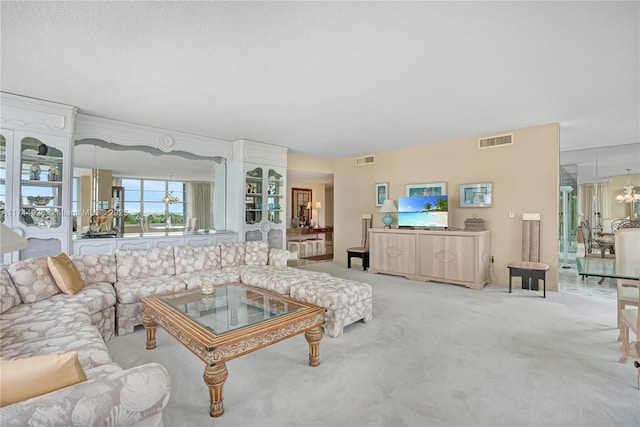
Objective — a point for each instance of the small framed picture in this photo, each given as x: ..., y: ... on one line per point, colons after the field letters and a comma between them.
x: 382, y: 192
x: 476, y: 195
x: 435, y: 189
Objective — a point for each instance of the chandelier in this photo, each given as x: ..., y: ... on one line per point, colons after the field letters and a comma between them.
x: 629, y: 194
x: 169, y: 197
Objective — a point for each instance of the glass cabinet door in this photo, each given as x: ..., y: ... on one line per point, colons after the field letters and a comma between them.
x: 253, y: 197
x: 40, y: 184
x: 274, y: 197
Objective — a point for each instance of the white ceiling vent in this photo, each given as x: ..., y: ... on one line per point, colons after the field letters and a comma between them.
x: 365, y: 160
x: 495, y: 141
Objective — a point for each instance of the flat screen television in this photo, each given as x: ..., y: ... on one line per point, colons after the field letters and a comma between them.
x: 423, y: 212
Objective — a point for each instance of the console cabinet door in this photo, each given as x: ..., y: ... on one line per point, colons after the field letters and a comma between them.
x: 458, y: 258
x: 447, y: 257
x: 394, y: 253
x: 430, y: 264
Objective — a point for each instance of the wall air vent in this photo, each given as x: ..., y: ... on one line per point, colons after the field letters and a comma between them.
x: 495, y: 141
x: 365, y: 160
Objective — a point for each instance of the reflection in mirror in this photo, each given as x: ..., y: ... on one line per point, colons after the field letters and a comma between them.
x: 300, y: 208
x: 598, y: 176
x: 143, y: 189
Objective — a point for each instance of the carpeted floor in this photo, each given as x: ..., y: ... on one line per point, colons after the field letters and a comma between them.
x: 433, y: 355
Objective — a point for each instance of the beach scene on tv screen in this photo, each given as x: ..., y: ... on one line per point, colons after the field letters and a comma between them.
x: 424, y: 211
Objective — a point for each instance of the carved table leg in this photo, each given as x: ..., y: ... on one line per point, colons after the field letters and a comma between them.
x: 214, y: 376
x: 150, y: 327
x: 313, y: 337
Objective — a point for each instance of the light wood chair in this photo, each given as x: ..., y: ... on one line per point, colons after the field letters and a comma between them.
x: 629, y: 319
x: 361, y: 251
x: 634, y: 351
x: 627, y: 244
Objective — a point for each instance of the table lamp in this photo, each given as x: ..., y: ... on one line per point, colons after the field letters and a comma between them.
x: 10, y: 240
x: 387, y: 207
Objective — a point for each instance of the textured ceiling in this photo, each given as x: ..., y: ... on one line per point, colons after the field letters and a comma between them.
x: 335, y: 79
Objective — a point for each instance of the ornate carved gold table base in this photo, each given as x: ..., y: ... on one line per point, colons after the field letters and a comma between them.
x: 216, y: 349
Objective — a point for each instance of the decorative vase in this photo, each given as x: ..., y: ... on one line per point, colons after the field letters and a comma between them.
x: 207, y: 288
x: 387, y: 220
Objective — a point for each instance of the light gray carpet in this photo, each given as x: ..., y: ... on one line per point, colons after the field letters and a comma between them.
x: 433, y: 355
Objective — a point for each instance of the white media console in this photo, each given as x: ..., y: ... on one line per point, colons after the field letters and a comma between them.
x: 459, y: 257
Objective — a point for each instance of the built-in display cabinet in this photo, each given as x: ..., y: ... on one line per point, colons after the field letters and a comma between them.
x: 458, y: 257
x: 264, y: 195
x: 36, y: 158
x: 262, y: 191
x: 37, y: 139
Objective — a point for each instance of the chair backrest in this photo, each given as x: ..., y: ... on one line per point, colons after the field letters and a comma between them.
x: 586, y: 231
x: 624, y: 223
x: 627, y: 244
x: 366, y: 224
x: 531, y: 240
x: 587, y: 237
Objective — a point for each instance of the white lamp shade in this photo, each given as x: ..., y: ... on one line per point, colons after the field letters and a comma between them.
x: 388, y: 206
x: 10, y: 241
x: 318, y: 205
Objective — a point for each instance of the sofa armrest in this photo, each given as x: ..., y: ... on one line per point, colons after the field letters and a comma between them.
x: 123, y: 398
x: 278, y: 257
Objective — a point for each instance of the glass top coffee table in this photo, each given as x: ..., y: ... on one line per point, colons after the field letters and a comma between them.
x: 235, y: 319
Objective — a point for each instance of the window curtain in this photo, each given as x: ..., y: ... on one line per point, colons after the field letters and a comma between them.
x: 199, y: 205
x: 594, y: 199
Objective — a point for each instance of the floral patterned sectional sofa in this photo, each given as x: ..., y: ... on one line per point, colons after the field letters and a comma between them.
x: 38, y: 319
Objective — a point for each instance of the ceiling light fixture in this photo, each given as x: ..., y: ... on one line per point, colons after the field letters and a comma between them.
x: 629, y: 194
x: 169, y: 197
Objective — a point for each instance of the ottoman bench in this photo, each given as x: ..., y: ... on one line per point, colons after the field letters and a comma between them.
x: 346, y: 301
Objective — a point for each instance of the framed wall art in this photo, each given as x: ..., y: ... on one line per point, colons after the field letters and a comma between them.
x: 435, y: 189
x: 382, y: 192
x: 476, y: 195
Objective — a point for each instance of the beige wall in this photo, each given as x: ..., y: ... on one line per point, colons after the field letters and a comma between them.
x: 328, y: 213
x: 309, y: 165
x: 524, y: 177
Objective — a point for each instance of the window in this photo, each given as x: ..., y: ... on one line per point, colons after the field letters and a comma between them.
x: 144, y: 198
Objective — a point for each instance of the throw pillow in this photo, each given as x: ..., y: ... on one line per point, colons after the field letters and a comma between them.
x: 256, y: 253
x: 231, y: 254
x: 22, y: 379
x: 65, y: 273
